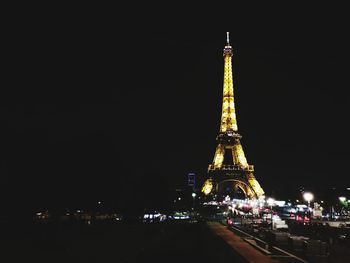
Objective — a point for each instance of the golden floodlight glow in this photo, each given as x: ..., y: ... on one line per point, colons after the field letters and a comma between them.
x: 239, y: 154
x: 207, y: 187
x: 219, y: 156
x: 255, y: 185
x: 228, y: 116
x: 230, y: 163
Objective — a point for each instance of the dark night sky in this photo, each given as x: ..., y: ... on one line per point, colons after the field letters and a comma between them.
x: 92, y: 110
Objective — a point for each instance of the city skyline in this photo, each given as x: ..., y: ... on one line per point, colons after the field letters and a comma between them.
x: 91, y: 116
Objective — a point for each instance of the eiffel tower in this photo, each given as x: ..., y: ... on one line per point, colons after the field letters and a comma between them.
x: 238, y: 175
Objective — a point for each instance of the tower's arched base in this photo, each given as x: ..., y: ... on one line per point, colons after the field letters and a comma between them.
x: 234, y: 188
x: 233, y: 183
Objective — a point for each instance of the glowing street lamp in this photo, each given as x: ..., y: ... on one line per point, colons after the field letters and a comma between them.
x: 194, y: 197
x: 308, y: 198
x: 342, y: 199
x: 343, y: 202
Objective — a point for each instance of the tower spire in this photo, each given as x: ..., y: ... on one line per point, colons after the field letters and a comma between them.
x: 228, y: 115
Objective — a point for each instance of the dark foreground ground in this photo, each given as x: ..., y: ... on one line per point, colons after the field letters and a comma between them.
x: 117, y: 242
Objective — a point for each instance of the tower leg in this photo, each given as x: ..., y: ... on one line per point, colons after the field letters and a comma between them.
x: 219, y: 156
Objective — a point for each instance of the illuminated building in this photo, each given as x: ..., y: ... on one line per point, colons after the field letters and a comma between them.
x: 238, y: 174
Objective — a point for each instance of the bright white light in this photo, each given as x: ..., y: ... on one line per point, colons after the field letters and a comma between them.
x: 301, y: 206
x: 308, y: 196
x: 275, y: 217
x: 262, y: 197
x: 342, y: 199
x: 270, y: 201
x: 280, y: 203
x: 193, y: 195
x: 179, y: 198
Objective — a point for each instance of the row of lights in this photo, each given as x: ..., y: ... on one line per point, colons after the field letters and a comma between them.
x: 307, y: 196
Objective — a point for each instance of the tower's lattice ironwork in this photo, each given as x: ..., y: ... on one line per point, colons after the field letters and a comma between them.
x: 238, y: 174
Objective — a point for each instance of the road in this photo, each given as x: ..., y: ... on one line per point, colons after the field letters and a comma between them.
x: 118, y: 242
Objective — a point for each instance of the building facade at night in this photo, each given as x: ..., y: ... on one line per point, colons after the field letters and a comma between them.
x: 230, y: 167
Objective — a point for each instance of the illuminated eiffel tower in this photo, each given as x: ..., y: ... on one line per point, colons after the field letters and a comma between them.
x: 238, y: 174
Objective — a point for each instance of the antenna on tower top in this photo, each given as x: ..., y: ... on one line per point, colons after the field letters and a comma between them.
x: 228, y: 37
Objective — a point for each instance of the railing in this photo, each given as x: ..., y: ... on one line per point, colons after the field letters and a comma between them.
x: 266, y: 248
x: 232, y: 167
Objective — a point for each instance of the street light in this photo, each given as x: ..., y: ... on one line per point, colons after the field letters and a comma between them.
x: 194, y: 196
x: 308, y: 197
x: 270, y: 201
x: 342, y: 199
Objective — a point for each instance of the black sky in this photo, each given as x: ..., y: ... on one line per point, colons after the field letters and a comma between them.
x: 94, y: 110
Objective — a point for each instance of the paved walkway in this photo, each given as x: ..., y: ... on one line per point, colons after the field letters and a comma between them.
x: 240, y: 246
